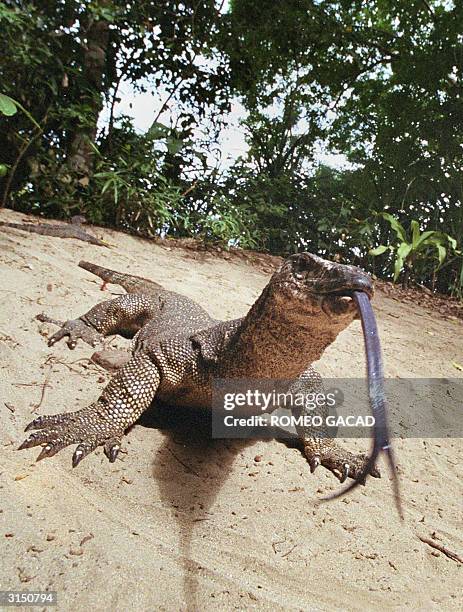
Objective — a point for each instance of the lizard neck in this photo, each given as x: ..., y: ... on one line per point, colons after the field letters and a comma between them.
x: 279, y: 338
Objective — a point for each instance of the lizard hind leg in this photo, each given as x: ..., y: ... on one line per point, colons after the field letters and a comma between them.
x: 74, y: 330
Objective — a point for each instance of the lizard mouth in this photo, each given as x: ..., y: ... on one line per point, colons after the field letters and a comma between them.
x: 340, y: 289
x: 339, y: 303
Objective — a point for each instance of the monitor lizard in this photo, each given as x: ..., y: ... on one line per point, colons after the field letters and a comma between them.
x: 178, y: 350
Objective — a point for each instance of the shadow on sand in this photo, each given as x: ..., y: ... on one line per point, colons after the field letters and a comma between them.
x: 190, y: 468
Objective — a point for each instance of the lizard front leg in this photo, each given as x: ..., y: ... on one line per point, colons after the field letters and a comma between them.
x: 123, y: 315
x: 128, y: 394
x: 341, y: 462
x: 319, y: 448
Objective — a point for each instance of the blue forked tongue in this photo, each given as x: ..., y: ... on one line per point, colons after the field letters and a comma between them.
x: 377, y: 399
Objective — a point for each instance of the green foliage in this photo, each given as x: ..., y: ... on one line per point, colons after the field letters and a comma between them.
x: 229, y: 225
x: 8, y: 106
x: 65, y: 61
x: 416, y: 249
x: 378, y: 83
x: 137, y: 197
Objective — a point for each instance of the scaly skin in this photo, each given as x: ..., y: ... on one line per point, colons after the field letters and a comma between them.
x: 178, y: 350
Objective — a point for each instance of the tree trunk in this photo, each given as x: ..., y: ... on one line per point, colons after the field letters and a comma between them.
x: 80, y: 156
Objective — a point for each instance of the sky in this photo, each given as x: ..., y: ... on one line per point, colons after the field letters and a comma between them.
x: 144, y: 107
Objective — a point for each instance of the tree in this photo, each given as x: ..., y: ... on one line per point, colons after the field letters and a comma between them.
x: 379, y: 82
x: 63, y: 60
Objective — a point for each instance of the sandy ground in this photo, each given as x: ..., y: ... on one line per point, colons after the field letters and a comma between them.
x: 183, y: 522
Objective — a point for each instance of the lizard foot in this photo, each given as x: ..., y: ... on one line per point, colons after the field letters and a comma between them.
x: 342, y: 463
x: 76, y: 329
x: 89, y: 428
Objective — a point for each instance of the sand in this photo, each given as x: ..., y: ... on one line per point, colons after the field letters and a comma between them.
x: 183, y: 522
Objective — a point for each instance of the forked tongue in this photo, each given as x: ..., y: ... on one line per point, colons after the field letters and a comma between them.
x: 377, y: 399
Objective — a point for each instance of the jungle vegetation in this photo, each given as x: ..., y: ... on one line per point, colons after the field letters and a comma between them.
x: 377, y: 85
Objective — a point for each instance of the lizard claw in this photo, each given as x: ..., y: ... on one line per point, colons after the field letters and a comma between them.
x: 51, y: 449
x: 339, y: 461
x: 111, y: 449
x: 82, y: 451
x: 314, y: 462
x: 77, y: 457
x: 344, y: 473
x: 86, y: 428
x: 36, y: 438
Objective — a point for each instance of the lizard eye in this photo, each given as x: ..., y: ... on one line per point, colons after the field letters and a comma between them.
x: 302, y: 263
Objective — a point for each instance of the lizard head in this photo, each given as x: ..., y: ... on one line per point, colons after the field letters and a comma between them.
x: 319, y: 286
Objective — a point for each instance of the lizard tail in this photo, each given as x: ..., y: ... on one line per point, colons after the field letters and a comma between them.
x: 132, y: 284
x: 21, y: 226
